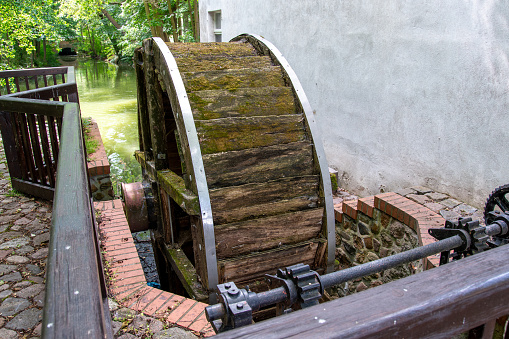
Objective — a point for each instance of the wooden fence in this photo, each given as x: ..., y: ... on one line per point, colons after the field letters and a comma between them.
x: 31, y: 139
x: 41, y: 126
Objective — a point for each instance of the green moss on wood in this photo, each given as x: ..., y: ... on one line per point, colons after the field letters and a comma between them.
x: 176, y: 188
x: 187, y: 273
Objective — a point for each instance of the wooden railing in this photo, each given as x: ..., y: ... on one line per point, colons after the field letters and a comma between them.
x: 46, y: 122
x: 31, y: 139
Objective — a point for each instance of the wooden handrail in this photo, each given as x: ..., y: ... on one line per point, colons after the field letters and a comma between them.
x: 76, y: 302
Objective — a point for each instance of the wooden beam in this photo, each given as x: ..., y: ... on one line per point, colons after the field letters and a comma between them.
x: 186, y: 273
x: 74, y: 304
x: 175, y: 186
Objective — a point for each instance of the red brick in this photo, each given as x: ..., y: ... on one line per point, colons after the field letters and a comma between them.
x: 125, y: 294
x: 111, y: 248
x: 124, y: 262
x: 200, y: 323
x: 114, y: 290
x: 130, y: 280
x: 385, y: 195
x: 181, y: 310
x: 127, y: 268
x: 146, y: 299
x: 134, y: 297
x: 173, y: 303
x: 157, y: 303
x: 117, y: 203
x: 126, y: 275
x: 338, y: 215
x: 191, y: 315
x: 124, y: 256
x: 208, y: 332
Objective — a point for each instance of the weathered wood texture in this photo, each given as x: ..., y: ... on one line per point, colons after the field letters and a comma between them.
x: 175, y: 186
x: 242, y: 102
x: 31, y: 123
x: 234, y: 134
x: 232, y: 79
x: 237, y: 203
x: 155, y: 109
x: 26, y: 79
x: 437, y: 303
x: 257, y: 156
x: 74, y: 304
x: 249, y: 268
x: 257, y: 165
x: 261, y: 234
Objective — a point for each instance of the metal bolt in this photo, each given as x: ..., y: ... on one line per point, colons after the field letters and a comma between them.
x: 240, y: 305
x: 227, y: 286
x: 233, y: 291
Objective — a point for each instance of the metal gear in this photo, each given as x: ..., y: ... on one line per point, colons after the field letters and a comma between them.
x: 497, y: 202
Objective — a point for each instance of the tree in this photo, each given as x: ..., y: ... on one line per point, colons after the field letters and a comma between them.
x: 24, y: 24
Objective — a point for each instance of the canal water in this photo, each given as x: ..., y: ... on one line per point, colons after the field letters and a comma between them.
x: 107, y: 93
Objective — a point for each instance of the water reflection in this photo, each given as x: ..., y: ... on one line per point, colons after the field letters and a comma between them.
x: 108, y: 95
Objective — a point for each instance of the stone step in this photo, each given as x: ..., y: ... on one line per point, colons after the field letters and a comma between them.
x: 245, y: 102
x: 233, y: 79
x: 211, y: 49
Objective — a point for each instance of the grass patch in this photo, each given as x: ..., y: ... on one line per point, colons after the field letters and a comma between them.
x: 90, y: 143
x: 13, y: 193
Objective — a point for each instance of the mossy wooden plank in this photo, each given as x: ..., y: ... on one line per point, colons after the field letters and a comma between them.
x: 246, y: 102
x: 147, y: 165
x: 261, y: 234
x: 258, y: 164
x: 233, y: 134
x: 237, y: 203
x: 176, y: 188
x: 233, y: 79
x: 186, y: 273
x: 223, y: 49
x: 255, y: 266
x: 207, y: 63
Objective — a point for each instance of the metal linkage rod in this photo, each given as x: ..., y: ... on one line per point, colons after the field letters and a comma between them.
x: 348, y: 274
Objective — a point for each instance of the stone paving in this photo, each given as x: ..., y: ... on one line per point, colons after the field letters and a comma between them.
x: 24, y: 236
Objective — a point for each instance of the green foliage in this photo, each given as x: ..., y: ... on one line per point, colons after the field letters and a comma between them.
x: 90, y: 143
x: 30, y: 30
x: 25, y: 26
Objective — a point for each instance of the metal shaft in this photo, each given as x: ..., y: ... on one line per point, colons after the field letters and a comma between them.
x: 348, y: 274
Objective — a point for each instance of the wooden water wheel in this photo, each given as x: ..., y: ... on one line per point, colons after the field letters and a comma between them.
x: 232, y: 163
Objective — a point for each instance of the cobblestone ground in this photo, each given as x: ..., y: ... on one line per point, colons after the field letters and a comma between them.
x: 24, y: 236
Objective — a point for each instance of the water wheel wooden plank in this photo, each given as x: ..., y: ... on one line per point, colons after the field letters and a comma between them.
x: 240, y: 133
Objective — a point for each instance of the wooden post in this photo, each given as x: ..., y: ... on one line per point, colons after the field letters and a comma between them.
x: 155, y: 108
x: 143, y: 120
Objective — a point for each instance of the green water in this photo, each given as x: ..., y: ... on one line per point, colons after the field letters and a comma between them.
x: 107, y: 93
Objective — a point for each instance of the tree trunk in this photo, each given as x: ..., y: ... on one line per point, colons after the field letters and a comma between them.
x: 173, y: 22
x: 147, y: 12
x: 111, y: 19
x: 196, y: 21
x: 44, y: 48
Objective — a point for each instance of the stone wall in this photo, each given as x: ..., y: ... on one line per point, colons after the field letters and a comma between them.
x: 375, y: 227
x: 99, y: 169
